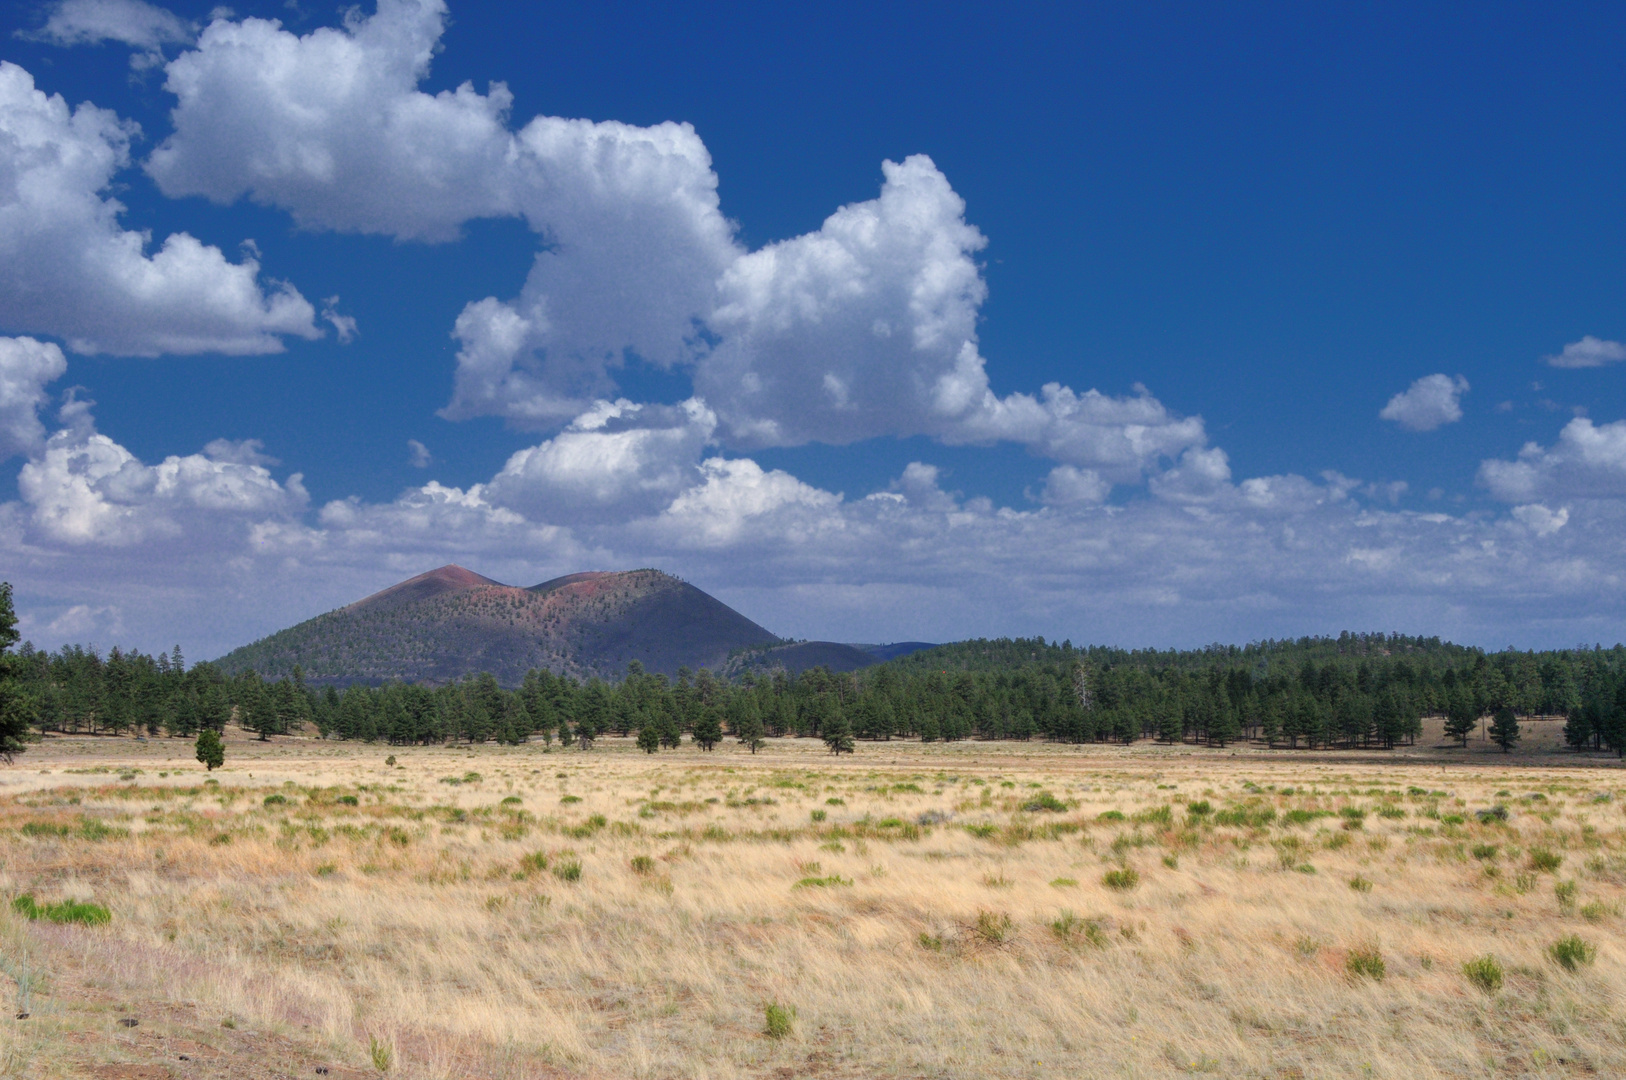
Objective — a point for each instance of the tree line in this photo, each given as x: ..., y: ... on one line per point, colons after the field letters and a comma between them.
x: 1354, y: 691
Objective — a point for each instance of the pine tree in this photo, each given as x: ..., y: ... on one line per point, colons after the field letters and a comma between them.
x: 836, y: 731
x: 1504, y: 729
x: 747, y: 723
x: 649, y: 736
x: 1460, y: 716
x: 708, y: 727
x: 211, y: 751
x: 17, y: 708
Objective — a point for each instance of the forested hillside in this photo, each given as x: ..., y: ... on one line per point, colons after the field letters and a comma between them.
x: 1350, y: 691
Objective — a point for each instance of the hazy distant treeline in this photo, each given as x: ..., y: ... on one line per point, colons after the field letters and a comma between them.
x: 1351, y: 691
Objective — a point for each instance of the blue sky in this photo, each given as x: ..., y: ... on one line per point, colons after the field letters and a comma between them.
x: 1249, y: 230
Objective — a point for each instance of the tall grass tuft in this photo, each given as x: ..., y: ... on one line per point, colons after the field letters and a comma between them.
x: 1484, y: 972
x: 1572, y: 951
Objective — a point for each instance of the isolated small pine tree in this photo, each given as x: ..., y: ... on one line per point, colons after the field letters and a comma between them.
x: 708, y: 727
x: 1460, y: 716
x: 837, y: 732
x: 1504, y: 729
x: 649, y: 737
x: 211, y: 751
x: 747, y: 726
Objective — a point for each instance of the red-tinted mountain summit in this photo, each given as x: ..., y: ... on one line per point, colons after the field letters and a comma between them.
x: 453, y: 622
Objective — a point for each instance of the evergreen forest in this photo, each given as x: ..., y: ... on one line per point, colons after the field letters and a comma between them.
x: 1352, y: 691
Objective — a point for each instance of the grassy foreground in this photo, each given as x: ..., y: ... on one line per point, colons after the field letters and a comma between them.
x: 965, y: 910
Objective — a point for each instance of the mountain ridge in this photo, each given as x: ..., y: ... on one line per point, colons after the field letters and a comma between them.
x: 451, y: 622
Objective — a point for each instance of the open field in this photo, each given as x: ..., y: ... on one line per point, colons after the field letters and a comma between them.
x: 926, y: 911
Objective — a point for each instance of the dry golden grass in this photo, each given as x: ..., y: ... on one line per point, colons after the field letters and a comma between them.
x: 929, y: 925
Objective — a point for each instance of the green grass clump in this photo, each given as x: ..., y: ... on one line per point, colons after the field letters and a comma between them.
x: 643, y: 865
x: 1122, y: 880
x: 274, y: 800
x: 993, y: 927
x: 1544, y: 859
x: 1485, y: 851
x: 778, y: 1020
x: 1366, y: 962
x: 512, y: 800
x: 349, y: 800
x: 534, y: 863
x: 1110, y: 815
x: 822, y: 882
x: 568, y: 870
x: 1199, y: 809
x: 1044, y: 801
x: 66, y: 911
x: 1572, y: 951
x: 1484, y: 972
x: 570, y: 799
x: 817, y: 815
x: 1157, y: 815
x: 1064, y: 883
x: 1360, y: 884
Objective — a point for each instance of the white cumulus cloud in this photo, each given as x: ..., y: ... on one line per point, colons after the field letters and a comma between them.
x: 1588, y: 461
x: 84, y: 488
x: 1430, y: 402
x: 1589, y: 352
x: 68, y: 269
x: 142, y: 26
x: 26, y: 367
x: 618, y: 460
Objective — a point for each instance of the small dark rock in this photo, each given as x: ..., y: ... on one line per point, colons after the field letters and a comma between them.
x: 185, y: 1058
x: 321, y: 1070
x: 22, y: 1016
x: 129, y: 1021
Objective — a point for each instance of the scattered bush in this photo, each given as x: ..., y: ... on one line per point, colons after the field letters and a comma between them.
x: 1565, y: 892
x: 512, y: 800
x: 1110, y: 815
x: 349, y: 800
x: 1485, y: 851
x: 835, y: 802
x: 568, y: 869
x: 274, y: 800
x: 1484, y: 972
x: 817, y: 815
x: 1171, y: 861
x: 1045, y: 802
x: 568, y: 799
x: 643, y: 865
x: 1199, y: 809
x: 1122, y: 880
x: 778, y: 1020
x: 1572, y: 951
x: 1496, y: 814
x: 930, y: 942
x: 380, y: 1053
x: 1360, y: 884
x: 1597, y: 911
x: 1365, y: 962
